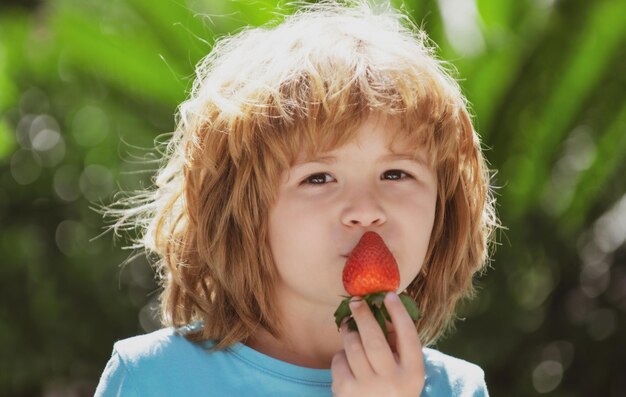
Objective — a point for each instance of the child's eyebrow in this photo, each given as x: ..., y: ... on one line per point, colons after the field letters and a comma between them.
x: 402, y: 156
x: 386, y: 157
x: 416, y: 158
x: 321, y: 159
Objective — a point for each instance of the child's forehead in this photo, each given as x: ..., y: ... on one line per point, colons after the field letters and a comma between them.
x: 396, y: 139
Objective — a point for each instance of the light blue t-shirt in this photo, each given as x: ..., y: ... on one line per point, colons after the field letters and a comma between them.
x: 165, y: 363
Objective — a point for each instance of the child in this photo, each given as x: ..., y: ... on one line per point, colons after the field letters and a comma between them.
x: 296, y: 140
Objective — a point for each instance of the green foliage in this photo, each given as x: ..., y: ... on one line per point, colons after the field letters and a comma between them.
x: 86, y: 86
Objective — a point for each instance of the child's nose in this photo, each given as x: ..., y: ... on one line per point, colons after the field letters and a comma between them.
x: 364, y: 210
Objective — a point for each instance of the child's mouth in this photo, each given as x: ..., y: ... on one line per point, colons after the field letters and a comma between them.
x: 370, y: 271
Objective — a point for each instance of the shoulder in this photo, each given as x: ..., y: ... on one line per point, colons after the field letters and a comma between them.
x: 153, y: 349
x: 448, y: 375
x: 455, y: 367
x: 147, y: 345
x: 152, y: 364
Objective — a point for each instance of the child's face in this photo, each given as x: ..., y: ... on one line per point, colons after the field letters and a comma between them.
x: 323, y: 209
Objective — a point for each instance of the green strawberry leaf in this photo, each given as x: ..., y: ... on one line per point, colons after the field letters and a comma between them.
x: 411, y: 306
x: 352, y: 325
x: 378, y: 314
x: 377, y: 297
x: 342, y: 311
x: 385, y: 312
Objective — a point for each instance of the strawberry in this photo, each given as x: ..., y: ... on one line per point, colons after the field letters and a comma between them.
x: 370, y: 272
x: 371, y: 267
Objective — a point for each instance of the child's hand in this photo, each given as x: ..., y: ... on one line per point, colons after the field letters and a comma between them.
x: 369, y: 366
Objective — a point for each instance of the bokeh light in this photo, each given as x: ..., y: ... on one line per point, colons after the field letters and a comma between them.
x: 547, y: 376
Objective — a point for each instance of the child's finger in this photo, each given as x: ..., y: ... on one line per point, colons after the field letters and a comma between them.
x: 376, y: 348
x: 340, y: 370
x: 355, y: 353
x: 408, y: 344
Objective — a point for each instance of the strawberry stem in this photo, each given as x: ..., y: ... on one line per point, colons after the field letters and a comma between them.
x: 375, y: 301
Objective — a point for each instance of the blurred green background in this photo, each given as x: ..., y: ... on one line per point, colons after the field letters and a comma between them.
x: 87, y: 86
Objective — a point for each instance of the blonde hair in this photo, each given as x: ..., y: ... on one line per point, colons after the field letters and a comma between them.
x: 260, y: 98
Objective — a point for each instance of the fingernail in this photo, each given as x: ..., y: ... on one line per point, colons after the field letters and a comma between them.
x: 355, y: 304
x: 392, y: 296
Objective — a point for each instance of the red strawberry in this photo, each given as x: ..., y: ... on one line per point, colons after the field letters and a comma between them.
x: 371, y: 267
x: 370, y: 272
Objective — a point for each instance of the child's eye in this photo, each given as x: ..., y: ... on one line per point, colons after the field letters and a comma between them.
x: 317, y: 179
x: 395, y: 175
